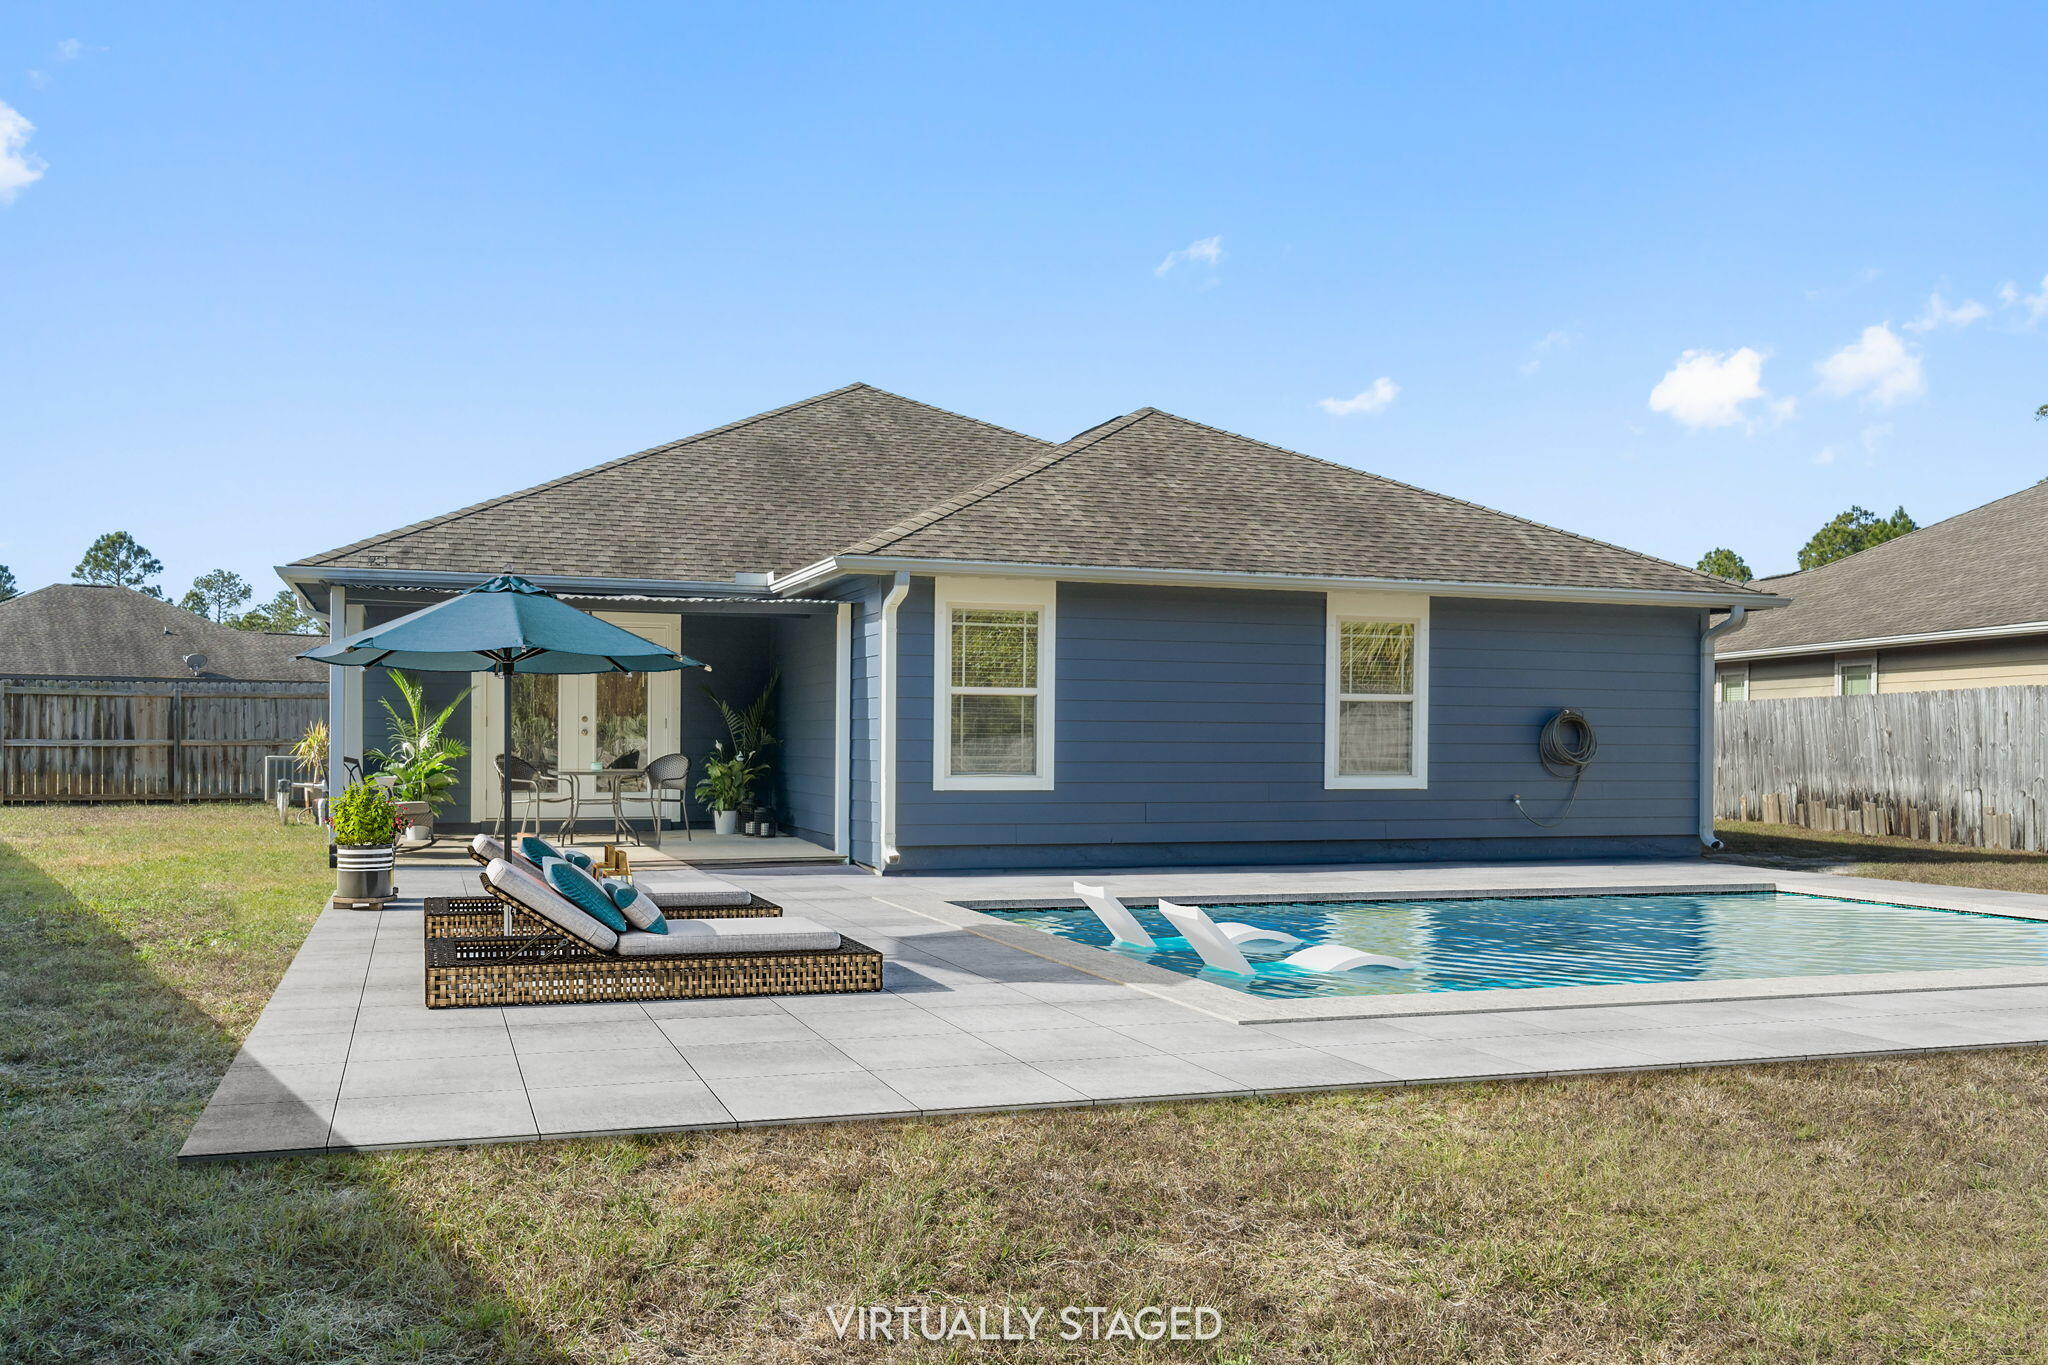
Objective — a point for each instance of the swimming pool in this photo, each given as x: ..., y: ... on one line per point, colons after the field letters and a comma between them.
x: 1534, y: 941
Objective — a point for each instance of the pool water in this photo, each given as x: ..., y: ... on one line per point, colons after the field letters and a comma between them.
x: 1533, y: 941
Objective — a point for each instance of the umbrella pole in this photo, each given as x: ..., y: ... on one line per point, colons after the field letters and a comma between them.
x: 505, y: 764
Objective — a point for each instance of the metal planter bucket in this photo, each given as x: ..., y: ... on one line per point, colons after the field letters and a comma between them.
x: 364, y: 874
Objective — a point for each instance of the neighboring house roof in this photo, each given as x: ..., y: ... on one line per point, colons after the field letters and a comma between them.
x: 80, y: 630
x: 1980, y: 572
x: 863, y: 472
x: 772, y: 492
x: 1156, y: 491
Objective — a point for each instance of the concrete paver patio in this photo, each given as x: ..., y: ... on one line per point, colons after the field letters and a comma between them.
x: 345, y: 1056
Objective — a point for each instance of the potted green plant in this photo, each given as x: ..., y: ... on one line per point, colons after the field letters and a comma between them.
x: 727, y: 786
x: 365, y: 827
x: 421, y: 761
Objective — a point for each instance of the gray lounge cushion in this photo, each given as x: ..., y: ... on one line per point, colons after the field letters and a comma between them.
x: 529, y: 891
x: 674, y: 888
x: 692, y: 937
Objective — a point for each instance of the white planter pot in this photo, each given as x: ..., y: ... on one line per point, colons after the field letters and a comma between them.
x: 364, y: 873
x: 725, y: 822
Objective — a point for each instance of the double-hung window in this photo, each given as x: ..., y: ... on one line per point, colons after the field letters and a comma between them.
x: 992, y: 712
x: 1376, y: 713
x: 1732, y: 684
x: 1856, y: 677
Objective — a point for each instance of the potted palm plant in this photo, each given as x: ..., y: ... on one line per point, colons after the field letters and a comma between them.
x: 421, y: 761
x: 727, y: 786
x: 365, y: 830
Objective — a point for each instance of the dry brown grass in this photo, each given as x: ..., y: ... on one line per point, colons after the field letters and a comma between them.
x: 1878, y: 1211
x: 1905, y: 860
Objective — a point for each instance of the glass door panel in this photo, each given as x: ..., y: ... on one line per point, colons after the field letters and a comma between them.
x: 536, y: 719
x: 621, y: 720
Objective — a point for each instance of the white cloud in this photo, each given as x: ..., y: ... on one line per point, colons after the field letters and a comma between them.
x: 1208, y: 251
x: 70, y: 50
x: 1826, y: 455
x: 1548, y: 345
x: 2035, y: 304
x: 1876, y: 365
x: 19, y: 167
x: 1710, y: 389
x: 1374, y: 399
x: 1940, y: 314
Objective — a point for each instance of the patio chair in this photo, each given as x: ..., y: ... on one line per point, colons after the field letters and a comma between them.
x: 541, y: 788
x: 1205, y: 937
x: 574, y: 959
x: 1124, y: 927
x: 668, y: 776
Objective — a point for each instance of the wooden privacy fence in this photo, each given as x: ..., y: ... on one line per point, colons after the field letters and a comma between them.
x: 147, y: 741
x: 1963, y: 767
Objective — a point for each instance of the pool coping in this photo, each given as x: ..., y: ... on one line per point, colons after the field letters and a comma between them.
x: 1238, y: 1007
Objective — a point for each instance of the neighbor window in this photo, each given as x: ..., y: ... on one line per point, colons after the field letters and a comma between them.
x: 1732, y: 684
x: 1378, y: 692
x: 993, y: 716
x: 1855, y: 677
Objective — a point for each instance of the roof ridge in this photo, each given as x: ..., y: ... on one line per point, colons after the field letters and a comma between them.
x: 992, y: 485
x: 1443, y: 497
x: 947, y: 412
x: 2035, y: 487
x: 329, y: 556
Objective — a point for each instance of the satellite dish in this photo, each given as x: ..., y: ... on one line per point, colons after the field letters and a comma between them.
x: 196, y: 662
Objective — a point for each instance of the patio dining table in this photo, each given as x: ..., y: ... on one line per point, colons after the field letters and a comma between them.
x: 595, y: 784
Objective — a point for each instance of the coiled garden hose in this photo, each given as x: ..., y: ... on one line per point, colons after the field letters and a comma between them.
x: 1566, y: 746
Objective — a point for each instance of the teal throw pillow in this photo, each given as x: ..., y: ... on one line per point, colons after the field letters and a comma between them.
x: 636, y: 906
x: 577, y: 887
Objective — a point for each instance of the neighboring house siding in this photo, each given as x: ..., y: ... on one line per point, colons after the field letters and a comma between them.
x: 1923, y: 668
x: 1189, y: 728
x: 806, y: 707
x: 1773, y: 678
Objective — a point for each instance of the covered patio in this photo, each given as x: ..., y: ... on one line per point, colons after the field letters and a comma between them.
x: 579, y: 732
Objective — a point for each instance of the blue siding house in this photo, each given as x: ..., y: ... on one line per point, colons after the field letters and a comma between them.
x: 1157, y: 643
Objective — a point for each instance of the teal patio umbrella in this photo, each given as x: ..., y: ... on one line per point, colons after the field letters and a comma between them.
x: 503, y: 626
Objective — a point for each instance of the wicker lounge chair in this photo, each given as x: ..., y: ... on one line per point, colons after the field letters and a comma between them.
x: 481, y: 914
x: 569, y: 958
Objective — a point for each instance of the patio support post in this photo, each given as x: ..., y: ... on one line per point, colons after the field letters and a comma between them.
x: 504, y: 671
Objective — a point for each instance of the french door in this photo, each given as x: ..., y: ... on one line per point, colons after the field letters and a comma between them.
x: 582, y: 722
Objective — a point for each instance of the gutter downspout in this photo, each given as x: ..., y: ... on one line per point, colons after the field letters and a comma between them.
x: 885, y: 815
x: 1707, y: 705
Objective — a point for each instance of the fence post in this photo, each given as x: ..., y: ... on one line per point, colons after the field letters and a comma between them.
x: 6, y: 766
x: 177, y: 723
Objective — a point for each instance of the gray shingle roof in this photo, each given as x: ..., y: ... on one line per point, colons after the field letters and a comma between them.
x: 862, y: 471
x: 1980, y: 569
x: 1156, y: 491
x: 77, y: 630
x: 771, y: 493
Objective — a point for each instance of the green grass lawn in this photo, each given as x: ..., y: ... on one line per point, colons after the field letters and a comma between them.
x: 1877, y: 1211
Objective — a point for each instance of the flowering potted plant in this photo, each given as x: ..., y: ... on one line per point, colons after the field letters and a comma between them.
x: 365, y: 828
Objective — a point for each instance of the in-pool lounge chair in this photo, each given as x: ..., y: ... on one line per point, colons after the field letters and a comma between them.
x: 571, y: 958
x: 1204, y: 936
x: 700, y: 896
x: 1123, y: 926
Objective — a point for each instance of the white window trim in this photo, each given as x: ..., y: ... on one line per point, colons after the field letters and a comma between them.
x: 1850, y: 661
x: 1375, y: 606
x: 1731, y: 671
x: 1040, y: 595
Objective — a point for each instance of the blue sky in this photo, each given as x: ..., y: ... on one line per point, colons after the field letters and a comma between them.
x: 278, y: 277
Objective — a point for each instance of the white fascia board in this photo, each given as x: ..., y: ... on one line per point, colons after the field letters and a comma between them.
x: 1218, y: 578
x: 1931, y: 637
x: 299, y: 574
